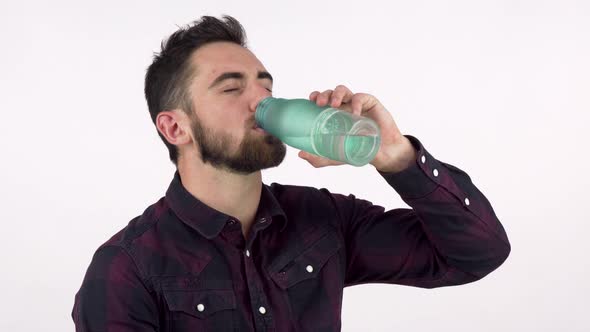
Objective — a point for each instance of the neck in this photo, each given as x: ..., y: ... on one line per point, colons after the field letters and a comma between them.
x: 236, y: 195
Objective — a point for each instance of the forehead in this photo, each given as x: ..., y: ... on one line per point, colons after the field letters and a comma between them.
x: 216, y: 58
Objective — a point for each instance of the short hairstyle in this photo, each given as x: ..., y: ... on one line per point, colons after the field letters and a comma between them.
x: 168, y: 78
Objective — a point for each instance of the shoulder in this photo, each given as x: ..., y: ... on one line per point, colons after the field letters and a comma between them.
x: 139, y: 226
x: 128, y: 245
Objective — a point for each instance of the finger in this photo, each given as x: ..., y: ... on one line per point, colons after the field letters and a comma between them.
x: 317, y: 161
x: 341, y: 95
x: 314, y: 95
x: 310, y: 158
x: 362, y: 102
x: 357, y: 105
x: 324, y: 97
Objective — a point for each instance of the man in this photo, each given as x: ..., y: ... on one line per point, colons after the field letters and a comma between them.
x: 222, y: 251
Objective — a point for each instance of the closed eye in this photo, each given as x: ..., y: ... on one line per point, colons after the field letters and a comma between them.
x: 236, y: 89
x: 231, y: 90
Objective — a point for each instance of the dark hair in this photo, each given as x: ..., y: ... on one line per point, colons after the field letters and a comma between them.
x: 169, y: 76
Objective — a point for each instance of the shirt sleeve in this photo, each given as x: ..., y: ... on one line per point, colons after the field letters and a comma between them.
x: 450, y: 236
x: 113, y: 296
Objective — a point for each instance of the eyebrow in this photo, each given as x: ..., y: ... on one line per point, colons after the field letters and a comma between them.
x: 239, y: 76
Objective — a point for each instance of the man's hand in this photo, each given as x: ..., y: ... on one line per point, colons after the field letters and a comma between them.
x: 396, y: 152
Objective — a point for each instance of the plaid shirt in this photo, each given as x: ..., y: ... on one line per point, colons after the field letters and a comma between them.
x: 183, y: 266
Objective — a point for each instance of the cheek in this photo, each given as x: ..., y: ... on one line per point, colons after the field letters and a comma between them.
x: 231, y: 126
x: 227, y: 115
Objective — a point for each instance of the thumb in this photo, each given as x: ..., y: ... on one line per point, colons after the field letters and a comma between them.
x: 303, y: 155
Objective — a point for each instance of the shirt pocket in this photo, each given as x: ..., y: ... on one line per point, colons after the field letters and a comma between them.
x: 196, y: 310
x: 297, y: 267
x: 312, y: 281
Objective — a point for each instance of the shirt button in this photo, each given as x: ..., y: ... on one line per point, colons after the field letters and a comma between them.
x: 435, y: 172
x: 262, y: 310
x: 200, y: 307
x: 309, y: 268
x: 232, y: 222
x: 423, y: 159
x: 247, y: 253
x: 262, y: 220
x: 466, y: 201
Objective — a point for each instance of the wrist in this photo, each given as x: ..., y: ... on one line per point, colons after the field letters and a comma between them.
x: 396, y: 158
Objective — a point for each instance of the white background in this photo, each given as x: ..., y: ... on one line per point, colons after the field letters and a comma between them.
x: 498, y: 88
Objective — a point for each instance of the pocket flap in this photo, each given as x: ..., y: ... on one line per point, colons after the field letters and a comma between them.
x: 200, y: 303
x: 309, y: 263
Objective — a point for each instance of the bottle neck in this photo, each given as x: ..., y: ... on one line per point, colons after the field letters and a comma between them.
x: 262, y: 107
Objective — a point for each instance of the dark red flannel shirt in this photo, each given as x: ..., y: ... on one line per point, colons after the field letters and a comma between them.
x: 183, y: 266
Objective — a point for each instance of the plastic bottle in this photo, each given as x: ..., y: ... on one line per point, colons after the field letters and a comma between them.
x: 324, y: 131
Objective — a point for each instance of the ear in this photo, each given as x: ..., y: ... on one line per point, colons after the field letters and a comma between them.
x: 174, y: 126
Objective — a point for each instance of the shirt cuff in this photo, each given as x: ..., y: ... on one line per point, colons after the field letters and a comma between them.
x: 420, y: 178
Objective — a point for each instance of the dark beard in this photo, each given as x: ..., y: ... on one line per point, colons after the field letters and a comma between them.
x: 256, y: 152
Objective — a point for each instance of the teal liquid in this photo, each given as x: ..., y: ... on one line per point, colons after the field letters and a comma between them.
x: 357, y: 150
x: 335, y: 137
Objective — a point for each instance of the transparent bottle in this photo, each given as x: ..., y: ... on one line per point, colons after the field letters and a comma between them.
x: 324, y: 131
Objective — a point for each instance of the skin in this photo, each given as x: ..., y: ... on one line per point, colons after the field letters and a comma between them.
x: 223, y: 120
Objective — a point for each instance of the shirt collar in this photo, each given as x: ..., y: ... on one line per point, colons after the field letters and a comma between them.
x: 208, y: 221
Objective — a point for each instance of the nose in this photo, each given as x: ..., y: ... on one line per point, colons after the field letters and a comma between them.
x: 259, y: 94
